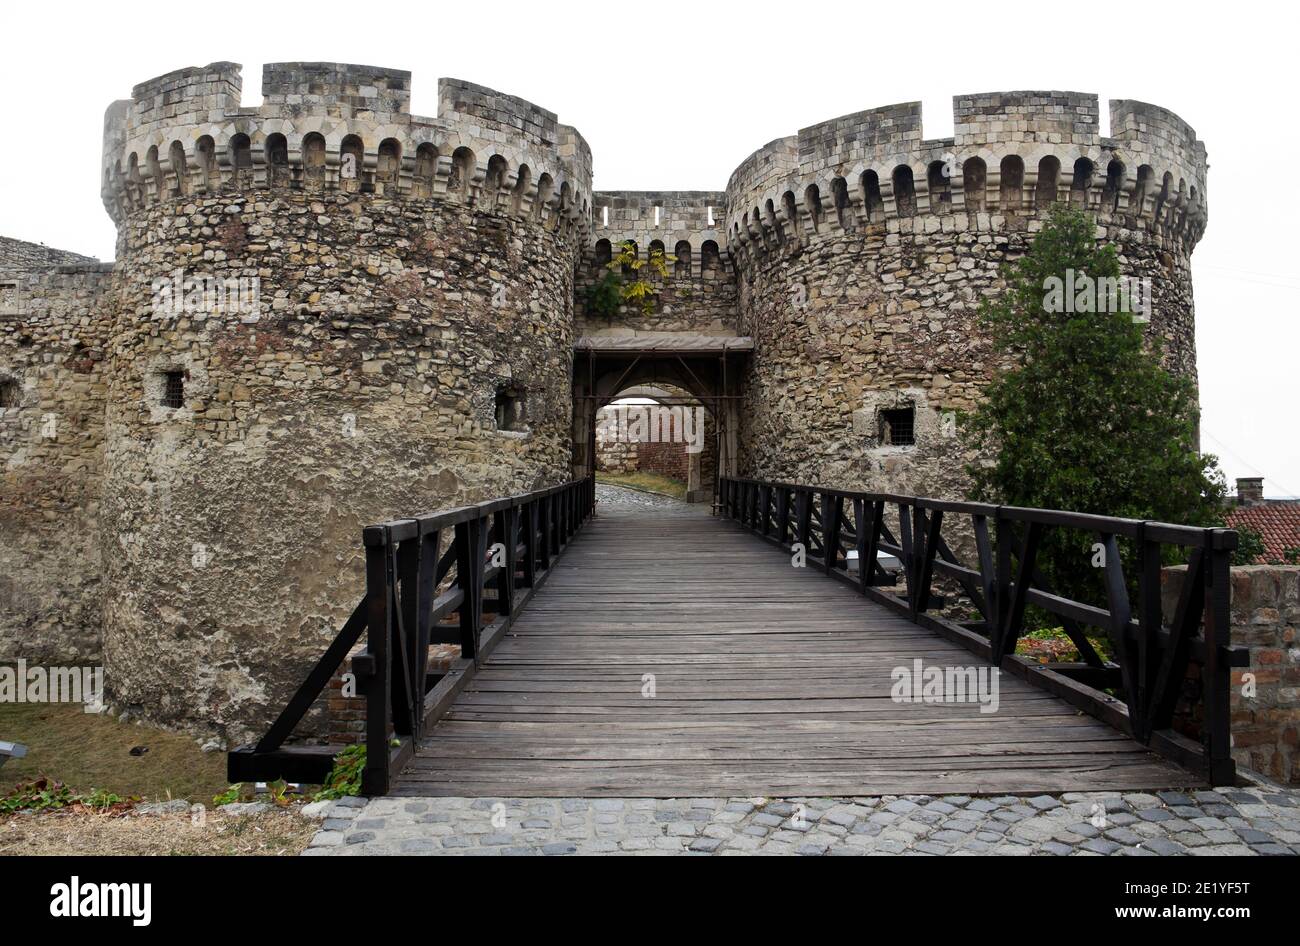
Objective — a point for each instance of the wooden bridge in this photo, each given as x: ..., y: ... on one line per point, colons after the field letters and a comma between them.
x: 674, y: 653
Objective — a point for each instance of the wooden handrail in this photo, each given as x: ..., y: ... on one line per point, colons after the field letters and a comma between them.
x: 1151, y: 660
x: 497, y: 553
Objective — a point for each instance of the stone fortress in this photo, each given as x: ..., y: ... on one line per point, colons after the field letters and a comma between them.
x: 184, y: 485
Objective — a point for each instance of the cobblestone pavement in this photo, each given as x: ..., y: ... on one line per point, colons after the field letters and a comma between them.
x: 620, y: 496
x: 1228, y: 821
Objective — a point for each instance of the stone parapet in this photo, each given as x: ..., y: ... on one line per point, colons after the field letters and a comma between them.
x: 339, y: 127
x: 1265, y: 694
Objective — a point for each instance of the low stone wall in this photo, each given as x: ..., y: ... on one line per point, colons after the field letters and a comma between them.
x: 1266, y: 694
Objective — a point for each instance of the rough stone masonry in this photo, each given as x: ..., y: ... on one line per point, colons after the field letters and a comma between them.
x: 182, y: 486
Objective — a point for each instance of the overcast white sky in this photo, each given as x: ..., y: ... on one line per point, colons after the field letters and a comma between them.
x: 674, y: 96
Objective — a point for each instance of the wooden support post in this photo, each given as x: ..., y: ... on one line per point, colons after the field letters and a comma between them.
x: 406, y: 637
x: 907, y: 545
x: 1216, y: 675
x: 375, y: 775
x: 504, y: 524
x: 469, y: 569
x: 1121, y: 613
x: 528, y: 519
x: 1015, y: 622
x: 932, y: 531
x: 988, y: 576
x: 803, y: 517
x: 832, y: 520
x: 1149, y: 621
x: 863, y: 512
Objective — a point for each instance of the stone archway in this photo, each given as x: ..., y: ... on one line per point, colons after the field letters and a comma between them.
x: 701, y: 370
x: 677, y: 440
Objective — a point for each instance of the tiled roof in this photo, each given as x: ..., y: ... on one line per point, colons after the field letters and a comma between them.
x: 1278, y: 524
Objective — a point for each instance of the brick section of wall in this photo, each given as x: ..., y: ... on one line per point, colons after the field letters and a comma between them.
x: 666, y: 459
x: 1265, y: 618
x: 347, y: 714
x: 346, y: 723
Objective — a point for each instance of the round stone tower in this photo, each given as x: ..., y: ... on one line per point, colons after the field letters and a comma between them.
x: 326, y: 312
x: 862, y: 251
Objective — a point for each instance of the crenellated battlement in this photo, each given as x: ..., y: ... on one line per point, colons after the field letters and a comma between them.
x: 348, y: 128
x: 335, y: 127
x: 687, y: 224
x: 339, y: 90
x: 1012, y: 155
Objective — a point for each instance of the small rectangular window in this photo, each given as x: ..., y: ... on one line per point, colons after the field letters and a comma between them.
x: 509, y: 408
x: 898, y: 427
x: 8, y: 392
x: 173, y: 394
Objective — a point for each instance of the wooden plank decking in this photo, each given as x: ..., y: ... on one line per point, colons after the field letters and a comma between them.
x: 770, y: 680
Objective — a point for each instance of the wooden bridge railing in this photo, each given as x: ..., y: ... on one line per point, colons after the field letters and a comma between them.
x: 496, y: 554
x: 1152, y: 654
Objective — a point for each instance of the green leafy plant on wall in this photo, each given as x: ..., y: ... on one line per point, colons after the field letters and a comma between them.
x: 1250, y: 546
x: 640, y: 289
x: 604, y: 298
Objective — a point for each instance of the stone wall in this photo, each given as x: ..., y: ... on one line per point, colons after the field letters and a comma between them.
x: 366, y: 389
x: 848, y: 325
x: 409, y: 348
x: 614, y: 454
x: 19, y: 256
x: 54, y: 338
x: 863, y: 250
x: 699, y: 295
x: 1266, y: 694
x: 1265, y: 618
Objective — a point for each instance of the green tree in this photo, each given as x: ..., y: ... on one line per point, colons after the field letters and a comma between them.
x: 1085, y: 419
x: 1250, y: 546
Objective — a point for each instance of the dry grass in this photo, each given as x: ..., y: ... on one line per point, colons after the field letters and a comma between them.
x: 280, y: 831
x: 85, y: 751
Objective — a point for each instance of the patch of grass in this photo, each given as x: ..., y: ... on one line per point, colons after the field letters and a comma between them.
x: 85, y: 751
x: 654, y: 482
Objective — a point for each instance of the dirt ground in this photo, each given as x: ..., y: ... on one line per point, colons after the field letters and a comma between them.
x: 277, y: 832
